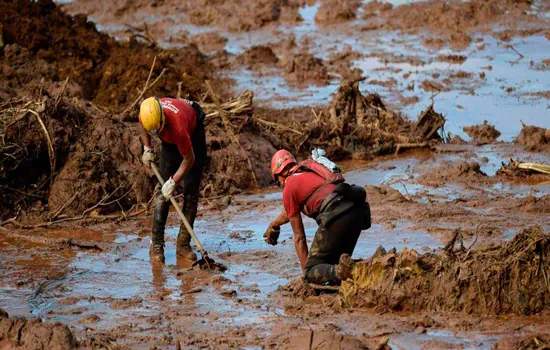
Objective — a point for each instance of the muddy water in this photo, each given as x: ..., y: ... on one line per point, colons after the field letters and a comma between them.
x: 129, y: 296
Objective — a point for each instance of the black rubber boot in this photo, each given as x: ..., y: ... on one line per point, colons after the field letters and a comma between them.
x: 156, y: 250
x: 183, y: 244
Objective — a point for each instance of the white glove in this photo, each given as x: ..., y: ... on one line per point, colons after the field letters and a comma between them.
x: 168, y: 188
x: 148, y: 156
x: 318, y: 155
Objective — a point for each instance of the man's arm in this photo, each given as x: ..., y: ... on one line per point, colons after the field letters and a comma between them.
x: 280, y: 220
x: 300, y: 242
x: 185, y: 166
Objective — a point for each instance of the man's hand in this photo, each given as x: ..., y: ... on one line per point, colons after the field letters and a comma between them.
x: 148, y: 156
x: 168, y: 188
x: 271, y: 235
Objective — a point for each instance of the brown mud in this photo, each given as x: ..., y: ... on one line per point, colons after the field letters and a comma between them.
x: 482, y: 134
x: 534, y: 138
x: 455, y: 21
x: 500, y: 280
x: 489, y: 288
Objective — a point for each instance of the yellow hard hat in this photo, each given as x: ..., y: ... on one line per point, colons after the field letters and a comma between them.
x: 151, y: 115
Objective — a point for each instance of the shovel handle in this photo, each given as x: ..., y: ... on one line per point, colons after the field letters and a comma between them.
x: 180, y: 213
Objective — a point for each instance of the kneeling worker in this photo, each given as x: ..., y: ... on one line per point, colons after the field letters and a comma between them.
x: 179, y: 124
x: 340, y: 210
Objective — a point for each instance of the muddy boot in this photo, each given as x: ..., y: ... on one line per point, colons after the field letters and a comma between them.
x: 156, y: 251
x: 183, y: 246
x: 343, y: 270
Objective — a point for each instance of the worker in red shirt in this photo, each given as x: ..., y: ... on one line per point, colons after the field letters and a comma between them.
x: 179, y: 124
x: 340, y: 209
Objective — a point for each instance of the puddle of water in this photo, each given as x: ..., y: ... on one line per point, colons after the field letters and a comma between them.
x: 442, y: 339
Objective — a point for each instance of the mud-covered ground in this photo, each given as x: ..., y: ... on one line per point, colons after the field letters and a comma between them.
x: 476, y: 61
x: 107, y: 288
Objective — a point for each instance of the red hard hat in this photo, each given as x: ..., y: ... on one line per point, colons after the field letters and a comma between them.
x: 280, y: 160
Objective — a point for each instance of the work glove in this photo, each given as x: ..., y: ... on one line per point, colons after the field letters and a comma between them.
x: 271, y: 235
x: 319, y: 155
x: 148, y: 156
x: 168, y: 188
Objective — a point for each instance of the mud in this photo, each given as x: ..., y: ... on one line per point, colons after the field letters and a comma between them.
x: 496, y: 280
x: 482, y: 134
x: 20, y: 333
x: 335, y: 11
x: 454, y: 21
x: 304, y: 68
x: 293, y: 55
x: 534, y: 138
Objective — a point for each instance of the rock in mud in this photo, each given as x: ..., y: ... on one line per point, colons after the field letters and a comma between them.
x: 482, y: 134
x: 20, y: 333
x: 534, y: 138
x: 494, y: 280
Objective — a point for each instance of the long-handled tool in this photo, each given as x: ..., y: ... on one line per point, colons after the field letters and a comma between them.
x: 206, y: 261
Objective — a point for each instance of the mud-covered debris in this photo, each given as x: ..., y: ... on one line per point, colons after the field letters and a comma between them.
x: 456, y: 59
x: 21, y: 333
x: 454, y: 139
x: 497, y: 280
x: 523, y: 342
x: 465, y: 172
x: 241, y: 16
x: 428, y: 124
x: 354, y: 124
x: 304, y: 68
x: 257, y: 56
x: 532, y: 204
x: 534, y: 138
x: 518, y: 169
x: 336, y: 11
x: 385, y: 193
x: 434, y: 86
x: 229, y: 293
x: 482, y: 134
x: 297, y: 289
x: 210, y: 41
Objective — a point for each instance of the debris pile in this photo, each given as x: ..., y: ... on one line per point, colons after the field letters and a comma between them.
x: 360, y: 126
x: 511, y: 278
x: 334, y: 11
x: 518, y: 169
x: 534, y: 138
x: 482, y: 134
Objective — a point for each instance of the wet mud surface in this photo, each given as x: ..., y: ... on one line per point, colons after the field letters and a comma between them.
x: 339, y: 74
x: 458, y: 54
x: 113, y: 290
